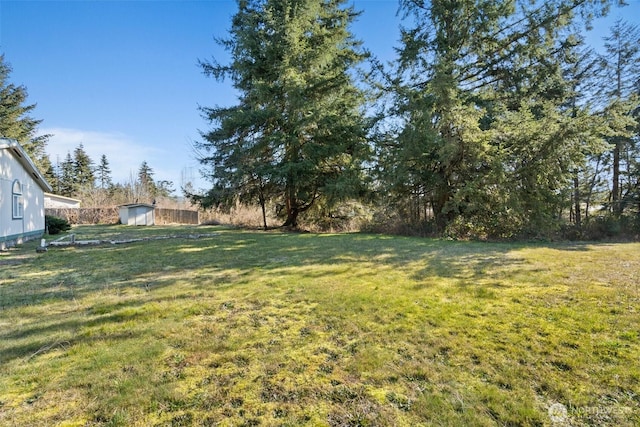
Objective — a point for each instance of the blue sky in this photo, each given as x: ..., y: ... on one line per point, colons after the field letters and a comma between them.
x: 121, y: 77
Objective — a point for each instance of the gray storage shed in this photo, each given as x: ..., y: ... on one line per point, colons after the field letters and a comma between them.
x: 137, y: 214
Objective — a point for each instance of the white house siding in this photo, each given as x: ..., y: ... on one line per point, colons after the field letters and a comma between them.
x: 12, y: 168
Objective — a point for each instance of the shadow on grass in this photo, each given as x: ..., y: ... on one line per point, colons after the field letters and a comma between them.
x: 38, y: 341
x: 65, y: 275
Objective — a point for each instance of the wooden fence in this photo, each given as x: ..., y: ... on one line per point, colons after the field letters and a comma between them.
x: 176, y: 216
x: 111, y: 216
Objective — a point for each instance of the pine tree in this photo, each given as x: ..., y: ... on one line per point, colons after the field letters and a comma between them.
x: 620, y: 64
x: 297, y: 134
x: 67, y: 186
x: 632, y: 197
x: 479, y: 103
x: 103, y: 173
x: 581, y: 75
x: 146, y: 182
x: 15, y: 120
x: 83, y: 169
x: 48, y: 170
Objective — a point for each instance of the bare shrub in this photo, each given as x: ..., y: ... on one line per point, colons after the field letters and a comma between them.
x: 240, y: 215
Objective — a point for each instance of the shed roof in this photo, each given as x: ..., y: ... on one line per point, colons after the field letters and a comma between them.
x: 135, y: 205
x: 26, y: 162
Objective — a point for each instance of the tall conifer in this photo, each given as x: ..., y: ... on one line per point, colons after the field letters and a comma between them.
x: 298, y: 132
x: 83, y: 168
x: 621, y: 87
x: 484, y: 137
x: 103, y: 173
x: 15, y: 120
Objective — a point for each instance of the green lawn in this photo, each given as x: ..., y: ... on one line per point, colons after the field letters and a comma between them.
x: 252, y: 328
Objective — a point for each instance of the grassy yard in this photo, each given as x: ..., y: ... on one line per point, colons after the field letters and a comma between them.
x: 251, y: 328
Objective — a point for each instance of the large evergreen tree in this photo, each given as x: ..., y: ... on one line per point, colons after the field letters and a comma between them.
x: 67, y: 179
x: 485, y: 138
x: 15, y: 120
x: 620, y: 65
x: 145, y: 180
x: 103, y: 173
x: 83, y: 169
x: 580, y: 72
x: 298, y: 132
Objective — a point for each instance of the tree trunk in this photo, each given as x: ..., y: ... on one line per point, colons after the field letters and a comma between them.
x: 442, y: 219
x: 291, y: 206
x: 615, y: 185
x: 576, y: 199
x: 592, y: 185
x: 292, y: 218
x: 264, y: 210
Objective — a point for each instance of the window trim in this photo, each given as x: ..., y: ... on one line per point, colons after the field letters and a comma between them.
x: 17, y: 206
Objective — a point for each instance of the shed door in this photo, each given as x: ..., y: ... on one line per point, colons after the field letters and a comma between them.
x: 141, y: 217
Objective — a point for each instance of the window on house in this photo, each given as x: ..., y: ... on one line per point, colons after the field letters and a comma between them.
x: 18, y: 200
